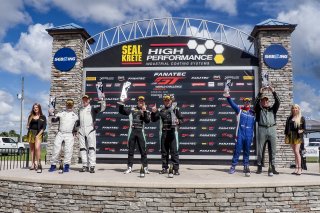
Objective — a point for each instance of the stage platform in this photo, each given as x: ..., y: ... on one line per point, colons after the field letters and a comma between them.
x: 199, y: 188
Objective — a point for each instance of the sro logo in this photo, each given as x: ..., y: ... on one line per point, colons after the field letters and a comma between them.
x: 167, y: 80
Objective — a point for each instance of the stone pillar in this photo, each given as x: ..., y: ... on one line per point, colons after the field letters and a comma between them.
x: 274, y: 32
x: 65, y: 85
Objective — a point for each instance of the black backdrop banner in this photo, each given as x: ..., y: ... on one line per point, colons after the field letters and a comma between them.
x: 194, y: 70
x: 209, y: 122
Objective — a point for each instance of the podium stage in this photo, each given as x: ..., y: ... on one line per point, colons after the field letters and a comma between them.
x: 199, y: 188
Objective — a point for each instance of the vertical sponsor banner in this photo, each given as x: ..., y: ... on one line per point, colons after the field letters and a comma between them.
x: 209, y: 123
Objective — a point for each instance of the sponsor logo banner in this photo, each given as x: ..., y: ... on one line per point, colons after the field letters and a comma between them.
x: 209, y: 123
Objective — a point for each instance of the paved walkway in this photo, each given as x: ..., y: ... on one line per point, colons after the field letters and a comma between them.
x: 192, y: 176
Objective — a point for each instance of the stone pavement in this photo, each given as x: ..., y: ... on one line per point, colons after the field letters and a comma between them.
x: 192, y: 176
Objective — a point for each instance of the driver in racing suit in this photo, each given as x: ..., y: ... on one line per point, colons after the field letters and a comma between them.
x: 67, y: 120
x: 138, y: 116
x: 87, y: 117
x: 244, y: 133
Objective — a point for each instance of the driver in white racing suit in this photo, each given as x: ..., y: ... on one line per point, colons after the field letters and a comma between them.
x: 87, y: 117
x: 67, y: 120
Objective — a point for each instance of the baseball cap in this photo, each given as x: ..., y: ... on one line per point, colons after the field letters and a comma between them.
x: 246, y: 100
x: 86, y: 96
x: 263, y: 97
x: 141, y: 98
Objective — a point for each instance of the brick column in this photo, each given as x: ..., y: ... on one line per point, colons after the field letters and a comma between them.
x: 274, y: 32
x: 65, y: 85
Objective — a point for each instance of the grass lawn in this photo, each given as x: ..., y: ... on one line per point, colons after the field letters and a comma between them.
x: 312, y: 159
x: 12, y: 157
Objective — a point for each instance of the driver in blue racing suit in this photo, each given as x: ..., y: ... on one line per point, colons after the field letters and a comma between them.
x: 244, y: 133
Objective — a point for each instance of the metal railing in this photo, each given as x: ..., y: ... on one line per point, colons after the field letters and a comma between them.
x: 170, y: 26
x: 13, y: 158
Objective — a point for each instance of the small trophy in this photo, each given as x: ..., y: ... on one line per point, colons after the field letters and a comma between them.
x: 174, y: 118
x: 227, y: 88
x: 60, y: 167
x: 142, y: 172
x: 265, y: 79
x: 124, y: 92
x: 52, y: 105
x: 99, y: 87
x: 170, y: 174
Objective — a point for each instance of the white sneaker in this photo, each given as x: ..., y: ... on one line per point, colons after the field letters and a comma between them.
x: 129, y: 170
x: 146, y: 170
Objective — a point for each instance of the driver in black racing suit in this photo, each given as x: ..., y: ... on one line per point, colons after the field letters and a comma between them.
x: 138, y: 117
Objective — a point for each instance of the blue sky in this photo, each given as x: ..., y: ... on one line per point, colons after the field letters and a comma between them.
x: 25, y: 46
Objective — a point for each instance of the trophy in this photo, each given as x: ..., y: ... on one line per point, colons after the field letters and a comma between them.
x: 227, y: 88
x: 265, y: 79
x: 52, y: 105
x: 124, y: 92
x: 99, y: 87
x: 142, y: 172
x: 174, y: 118
x: 170, y: 174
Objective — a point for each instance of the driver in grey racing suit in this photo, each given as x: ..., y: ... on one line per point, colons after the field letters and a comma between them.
x: 87, y: 117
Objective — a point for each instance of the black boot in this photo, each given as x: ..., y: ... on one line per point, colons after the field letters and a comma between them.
x: 259, y: 169
x: 274, y: 170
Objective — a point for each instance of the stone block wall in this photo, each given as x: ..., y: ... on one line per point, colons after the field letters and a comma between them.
x: 38, y: 197
x: 282, y: 81
x: 65, y: 85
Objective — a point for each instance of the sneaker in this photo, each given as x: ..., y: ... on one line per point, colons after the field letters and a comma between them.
x: 176, y: 172
x: 66, y: 168
x: 92, y: 169
x: 84, y: 169
x: 52, y: 168
x: 259, y: 170
x: 146, y: 170
x: 129, y: 170
x: 232, y: 170
x: 270, y: 173
x: 163, y: 171
x: 246, y: 171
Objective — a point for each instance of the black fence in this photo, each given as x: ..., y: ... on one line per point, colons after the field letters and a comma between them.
x: 13, y: 158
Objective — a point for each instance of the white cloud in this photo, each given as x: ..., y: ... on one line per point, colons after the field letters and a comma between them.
x: 308, y: 98
x: 40, y: 5
x: 10, y: 109
x: 32, y: 53
x: 305, y: 38
x: 12, y: 13
x: 6, y: 101
x: 228, y: 6
x: 9, y: 113
x: 115, y: 12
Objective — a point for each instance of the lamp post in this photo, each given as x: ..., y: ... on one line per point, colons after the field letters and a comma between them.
x: 20, y: 96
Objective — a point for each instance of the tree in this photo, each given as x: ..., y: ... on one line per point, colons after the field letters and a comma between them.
x: 25, y: 138
x: 4, y: 134
x: 13, y: 133
x: 45, y: 136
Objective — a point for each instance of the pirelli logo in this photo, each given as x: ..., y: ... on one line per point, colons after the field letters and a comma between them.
x: 91, y: 78
x: 248, y: 77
